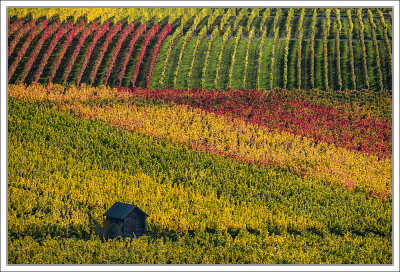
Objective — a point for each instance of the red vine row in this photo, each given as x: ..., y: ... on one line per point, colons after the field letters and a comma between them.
x: 128, y: 54
x: 86, y: 32
x: 46, y: 34
x: 128, y: 29
x: 60, y: 33
x: 161, y: 37
x: 14, y: 26
x: 20, y: 33
x: 99, y: 33
x: 149, y: 36
x: 77, y: 29
x: 97, y: 62
x: 21, y: 53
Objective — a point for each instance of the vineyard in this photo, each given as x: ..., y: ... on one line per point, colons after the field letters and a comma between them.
x: 236, y: 48
x: 249, y: 136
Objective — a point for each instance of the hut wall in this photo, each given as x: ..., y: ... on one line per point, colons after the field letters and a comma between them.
x: 126, y: 226
x: 140, y: 225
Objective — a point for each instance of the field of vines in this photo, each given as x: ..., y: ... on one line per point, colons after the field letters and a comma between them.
x: 222, y: 48
x: 248, y: 135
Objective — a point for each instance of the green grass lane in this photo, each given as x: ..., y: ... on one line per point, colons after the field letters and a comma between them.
x: 24, y: 60
x: 265, y: 72
x: 371, y: 64
x: 130, y: 67
x: 212, y: 64
x: 292, y: 65
x: 345, y: 26
x: 173, y: 63
x: 51, y: 60
x: 294, y: 28
x: 358, y: 65
x: 118, y: 61
x: 199, y: 63
x: 332, y: 71
x: 305, y: 65
x: 282, y: 26
x: 105, y: 62
x: 319, y: 26
x: 159, y: 64
x: 269, y: 23
x: 345, y: 65
x: 185, y: 67
x: 238, y: 68
x: 379, y: 29
x: 39, y: 57
x: 225, y: 64
x: 279, y: 63
x: 256, y: 24
x: 307, y: 27
x: 145, y: 64
x: 389, y: 24
x: 95, y: 54
x: 251, y: 81
x: 80, y: 58
x: 367, y: 29
x: 385, y: 64
x: 356, y: 26
x: 319, y: 65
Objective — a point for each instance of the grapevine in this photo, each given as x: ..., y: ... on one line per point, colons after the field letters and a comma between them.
x: 46, y: 33
x: 200, y: 37
x: 150, y: 34
x: 327, y: 24
x: 21, y: 53
x: 350, y: 37
x: 287, y: 39
x: 299, y: 44
x: 116, y: 28
x: 211, y: 41
x: 128, y: 29
x: 312, y: 48
x: 166, y: 30
x: 85, y: 33
x: 337, y: 44
x: 237, y: 40
x: 363, y: 50
x: 246, y: 61
x: 128, y: 53
x: 99, y: 33
x: 60, y: 33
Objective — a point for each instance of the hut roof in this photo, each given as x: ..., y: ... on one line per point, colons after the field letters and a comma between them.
x: 120, y: 210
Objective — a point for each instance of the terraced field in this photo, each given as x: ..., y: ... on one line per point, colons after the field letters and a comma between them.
x: 249, y: 136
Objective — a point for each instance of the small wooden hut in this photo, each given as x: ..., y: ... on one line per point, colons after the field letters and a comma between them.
x: 124, y: 220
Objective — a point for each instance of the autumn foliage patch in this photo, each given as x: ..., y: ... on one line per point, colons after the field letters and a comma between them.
x: 278, y: 110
